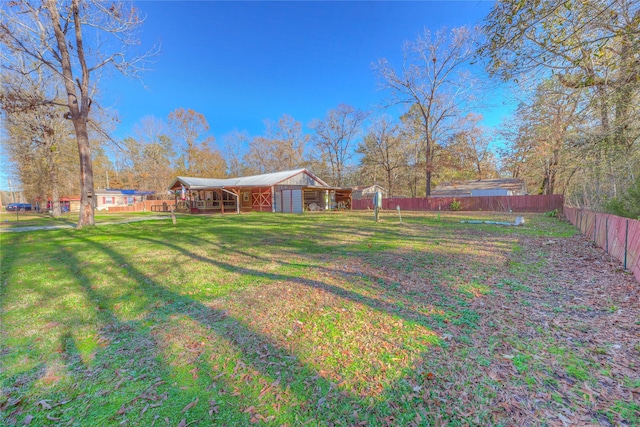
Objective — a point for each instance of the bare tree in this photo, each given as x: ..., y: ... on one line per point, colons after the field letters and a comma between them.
x: 50, y: 34
x: 36, y: 131
x: 434, y: 80
x: 541, y: 139
x: 189, y: 131
x: 157, y: 153
x: 336, y: 136
x: 382, y: 147
x: 469, y: 146
x: 281, y: 148
x: 234, y: 142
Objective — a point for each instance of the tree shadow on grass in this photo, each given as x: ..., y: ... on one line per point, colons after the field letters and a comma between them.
x: 314, y: 398
x: 317, y: 399
x: 9, y: 384
x: 130, y: 366
x: 377, y: 304
x: 372, y: 281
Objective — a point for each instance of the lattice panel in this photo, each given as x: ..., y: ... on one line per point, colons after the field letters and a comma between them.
x: 261, y: 199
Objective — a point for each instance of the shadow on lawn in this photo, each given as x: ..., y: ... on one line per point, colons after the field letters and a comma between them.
x: 11, y: 398
x: 336, y: 290
x: 318, y: 399
x: 134, y: 343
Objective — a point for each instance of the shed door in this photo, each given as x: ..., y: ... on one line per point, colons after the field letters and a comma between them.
x: 291, y: 201
x: 296, y: 201
x: 286, y: 201
x: 277, y: 203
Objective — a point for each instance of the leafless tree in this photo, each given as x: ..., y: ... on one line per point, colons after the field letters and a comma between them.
x: 197, y: 155
x: 433, y: 79
x: 469, y: 146
x: 51, y: 34
x: 281, y: 148
x: 336, y: 136
x: 382, y: 147
x: 36, y: 131
x: 234, y: 142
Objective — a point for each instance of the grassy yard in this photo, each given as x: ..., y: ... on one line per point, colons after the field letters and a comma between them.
x: 316, y: 319
x: 32, y: 219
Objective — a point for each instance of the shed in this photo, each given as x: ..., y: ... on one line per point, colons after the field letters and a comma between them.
x: 292, y: 191
x: 367, y: 191
x: 481, y: 188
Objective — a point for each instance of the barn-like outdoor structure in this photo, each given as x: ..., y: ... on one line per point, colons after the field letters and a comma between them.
x: 292, y: 191
x: 481, y: 188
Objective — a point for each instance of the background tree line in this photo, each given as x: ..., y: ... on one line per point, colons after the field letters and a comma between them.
x: 574, y: 67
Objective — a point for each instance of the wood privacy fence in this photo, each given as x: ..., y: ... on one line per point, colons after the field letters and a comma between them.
x: 529, y: 203
x: 620, y: 237
x: 144, y: 206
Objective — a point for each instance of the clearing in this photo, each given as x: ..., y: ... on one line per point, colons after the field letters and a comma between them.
x: 317, y: 319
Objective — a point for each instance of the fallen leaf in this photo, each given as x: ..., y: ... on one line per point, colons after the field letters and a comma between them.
x: 44, y: 404
x: 190, y: 405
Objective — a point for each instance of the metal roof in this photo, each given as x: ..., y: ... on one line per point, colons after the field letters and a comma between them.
x: 124, y: 192
x: 264, y: 180
x: 513, y: 184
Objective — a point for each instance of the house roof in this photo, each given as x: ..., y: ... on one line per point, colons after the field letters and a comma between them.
x: 364, y: 187
x: 513, y: 184
x: 117, y: 191
x: 264, y: 180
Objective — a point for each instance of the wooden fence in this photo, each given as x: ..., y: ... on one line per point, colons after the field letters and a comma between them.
x: 538, y: 203
x: 619, y: 237
x: 144, y: 206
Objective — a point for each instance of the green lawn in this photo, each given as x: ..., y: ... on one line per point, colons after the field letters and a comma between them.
x: 315, y: 319
x: 30, y: 219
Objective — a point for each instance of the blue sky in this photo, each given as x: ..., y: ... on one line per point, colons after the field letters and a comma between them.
x: 239, y: 63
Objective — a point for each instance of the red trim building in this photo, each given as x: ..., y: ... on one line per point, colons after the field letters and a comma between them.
x: 291, y: 191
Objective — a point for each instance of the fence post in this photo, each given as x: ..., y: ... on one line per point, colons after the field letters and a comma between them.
x: 580, y: 226
x: 626, y: 238
x: 607, y: 231
x: 595, y: 228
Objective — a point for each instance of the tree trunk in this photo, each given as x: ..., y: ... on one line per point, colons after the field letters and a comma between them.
x: 78, y: 107
x: 553, y: 169
x: 87, y: 197
x: 428, y: 166
x: 53, y: 181
x: 624, y: 94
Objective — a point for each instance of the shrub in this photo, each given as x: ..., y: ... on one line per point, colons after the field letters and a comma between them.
x: 626, y: 205
x: 455, y: 205
x: 552, y: 214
